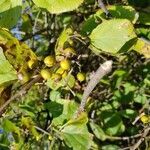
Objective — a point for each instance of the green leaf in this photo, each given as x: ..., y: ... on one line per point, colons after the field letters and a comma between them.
x: 54, y: 85
x: 10, y: 12
x: 112, y: 35
x: 98, y: 131
x: 76, y: 135
x: 128, y: 113
x: 7, y: 72
x: 144, y: 18
x: 54, y: 95
x: 10, y: 127
x: 68, y: 81
x: 122, y: 12
x: 113, y: 124
x: 63, y: 38
x: 69, y: 108
x: 142, y: 46
x: 54, y: 108
x: 58, y: 6
x: 140, y: 99
x: 16, y: 52
x: 128, y: 87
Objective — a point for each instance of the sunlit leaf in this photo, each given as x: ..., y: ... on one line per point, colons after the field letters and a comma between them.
x: 140, y: 99
x: 10, y: 127
x: 64, y: 36
x: 128, y: 113
x: 76, y: 135
x: 68, y: 81
x: 7, y: 72
x: 112, y: 35
x: 54, y: 95
x: 98, y: 131
x: 16, y: 52
x: 69, y: 108
x: 122, y: 12
x: 58, y: 6
x: 142, y: 46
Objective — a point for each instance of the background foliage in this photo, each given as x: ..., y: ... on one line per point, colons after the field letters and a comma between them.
x: 48, y: 52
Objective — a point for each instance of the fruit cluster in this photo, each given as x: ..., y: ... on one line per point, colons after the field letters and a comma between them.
x: 53, y: 69
x: 59, y: 70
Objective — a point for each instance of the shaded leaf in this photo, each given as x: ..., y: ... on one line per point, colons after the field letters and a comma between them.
x: 113, y: 124
x: 54, y: 108
x: 10, y: 12
x: 144, y: 18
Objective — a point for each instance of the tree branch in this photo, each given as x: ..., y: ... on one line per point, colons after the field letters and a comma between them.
x: 20, y: 93
x: 103, y: 70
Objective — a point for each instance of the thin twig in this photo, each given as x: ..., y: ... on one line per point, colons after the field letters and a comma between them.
x: 137, y: 118
x: 40, y: 129
x: 103, y: 7
x: 124, y: 137
x: 103, y: 70
x: 36, y: 20
x: 20, y: 93
x: 136, y: 145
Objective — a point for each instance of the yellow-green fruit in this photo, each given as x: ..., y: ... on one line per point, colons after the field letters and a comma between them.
x: 31, y: 63
x: 64, y: 75
x: 65, y: 64
x: 25, y: 79
x: 145, y: 119
x: 49, y: 61
x: 69, y: 51
x: 45, y: 73
x: 81, y: 76
x: 56, y: 76
x: 60, y: 71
